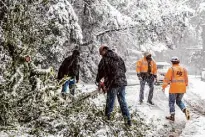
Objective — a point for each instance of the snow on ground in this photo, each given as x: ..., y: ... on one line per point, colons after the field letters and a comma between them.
x: 195, y: 97
x: 86, y: 87
x: 155, y: 115
x: 197, y: 86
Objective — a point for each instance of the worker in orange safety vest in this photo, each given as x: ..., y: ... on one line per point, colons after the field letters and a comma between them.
x: 147, y: 73
x: 177, y: 78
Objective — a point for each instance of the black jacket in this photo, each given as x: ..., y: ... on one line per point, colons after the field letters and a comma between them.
x: 70, y: 67
x: 112, y: 69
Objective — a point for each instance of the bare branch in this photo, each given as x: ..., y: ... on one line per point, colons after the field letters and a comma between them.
x: 106, y: 31
x: 111, y: 30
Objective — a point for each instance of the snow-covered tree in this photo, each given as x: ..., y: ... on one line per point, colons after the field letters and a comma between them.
x: 36, y: 35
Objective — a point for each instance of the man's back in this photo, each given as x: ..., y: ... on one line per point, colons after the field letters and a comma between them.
x: 178, y: 77
x: 69, y: 67
x: 113, y: 69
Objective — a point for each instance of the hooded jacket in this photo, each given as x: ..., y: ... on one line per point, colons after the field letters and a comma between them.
x: 112, y: 69
x: 69, y: 67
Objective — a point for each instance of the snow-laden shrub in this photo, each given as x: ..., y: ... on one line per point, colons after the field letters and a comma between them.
x: 34, y: 35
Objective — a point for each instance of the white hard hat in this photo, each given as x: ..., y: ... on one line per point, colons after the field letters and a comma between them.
x: 146, y: 53
x: 174, y: 59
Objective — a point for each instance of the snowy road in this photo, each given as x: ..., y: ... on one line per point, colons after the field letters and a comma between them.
x: 155, y: 116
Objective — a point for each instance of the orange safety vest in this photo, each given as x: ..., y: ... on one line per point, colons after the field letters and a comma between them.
x: 142, y: 66
x: 177, y: 77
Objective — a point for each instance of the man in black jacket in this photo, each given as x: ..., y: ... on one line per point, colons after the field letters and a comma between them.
x: 112, y: 69
x: 70, y: 67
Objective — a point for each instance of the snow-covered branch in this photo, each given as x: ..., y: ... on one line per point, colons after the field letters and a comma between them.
x: 114, y: 30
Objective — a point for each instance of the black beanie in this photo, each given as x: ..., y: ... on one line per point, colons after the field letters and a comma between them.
x: 76, y: 52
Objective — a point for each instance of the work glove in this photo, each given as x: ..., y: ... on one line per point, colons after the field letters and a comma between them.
x: 155, y: 80
x: 101, y: 85
x: 140, y: 78
x: 154, y: 77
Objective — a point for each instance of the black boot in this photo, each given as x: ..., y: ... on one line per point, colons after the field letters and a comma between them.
x: 108, y: 117
x: 171, y: 117
x: 129, y: 123
x: 141, y: 101
x: 150, y: 102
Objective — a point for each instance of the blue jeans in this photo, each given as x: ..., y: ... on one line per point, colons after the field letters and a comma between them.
x: 111, y: 95
x: 150, y: 82
x: 69, y: 86
x: 178, y: 98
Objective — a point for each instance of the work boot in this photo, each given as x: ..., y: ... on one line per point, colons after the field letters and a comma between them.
x: 150, y: 102
x: 129, y: 123
x: 141, y: 101
x: 171, y: 117
x: 186, y: 112
x: 108, y: 117
x: 63, y: 95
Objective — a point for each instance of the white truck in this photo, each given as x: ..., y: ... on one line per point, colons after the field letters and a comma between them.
x: 162, y: 68
x: 203, y: 74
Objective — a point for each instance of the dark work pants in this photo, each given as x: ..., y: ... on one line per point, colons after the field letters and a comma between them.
x: 111, y: 95
x: 150, y: 82
x: 175, y: 97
